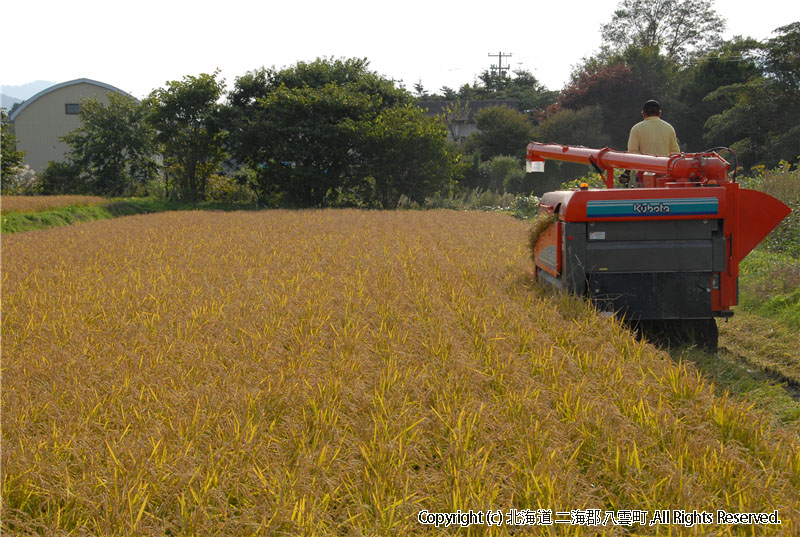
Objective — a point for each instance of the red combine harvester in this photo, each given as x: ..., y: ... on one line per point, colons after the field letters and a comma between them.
x: 666, y: 249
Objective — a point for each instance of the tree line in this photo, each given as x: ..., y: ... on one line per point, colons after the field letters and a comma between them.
x: 332, y: 132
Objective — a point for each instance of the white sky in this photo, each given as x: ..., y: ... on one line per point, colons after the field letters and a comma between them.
x: 138, y: 46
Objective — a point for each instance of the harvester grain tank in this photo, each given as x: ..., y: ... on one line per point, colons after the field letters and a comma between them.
x: 666, y: 248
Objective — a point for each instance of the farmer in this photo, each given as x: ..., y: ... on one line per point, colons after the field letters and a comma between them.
x: 651, y: 136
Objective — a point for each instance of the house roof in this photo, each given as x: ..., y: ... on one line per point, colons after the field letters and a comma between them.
x: 45, y: 91
x: 435, y: 108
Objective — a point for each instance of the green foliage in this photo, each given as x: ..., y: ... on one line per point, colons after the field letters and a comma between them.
x: 112, y: 151
x: 523, y: 86
x: 331, y: 132
x: 762, y: 119
x: 300, y: 140
x: 569, y: 127
x: 782, y: 60
x: 502, y: 174
x: 749, y: 125
x: 229, y: 190
x: 770, y: 285
x: 520, y: 206
x: 502, y: 131
x: 464, y: 200
x: 674, y: 27
x: 692, y: 105
x: 62, y: 178
x: 10, y: 158
x: 616, y: 89
x: 574, y: 127
x: 740, y: 94
x: 770, y: 274
x: 185, y: 114
x: 526, y: 206
x: 14, y: 222
x: 407, y: 155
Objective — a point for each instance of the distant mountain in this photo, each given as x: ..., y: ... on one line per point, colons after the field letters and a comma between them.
x: 7, y: 102
x: 25, y: 91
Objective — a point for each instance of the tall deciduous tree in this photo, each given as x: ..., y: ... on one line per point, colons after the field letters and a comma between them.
x: 185, y: 114
x: 318, y: 130
x: 674, y: 27
x: 113, y: 149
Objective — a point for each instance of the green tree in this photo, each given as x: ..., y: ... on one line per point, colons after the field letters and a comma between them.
x: 673, y: 27
x: 316, y: 132
x: 10, y: 159
x: 523, y: 86
x: 502, y: 174
x: 762, y: 123
x: 502, y: 131
x: 689, y: 108
x: 112, y: 151
x: 574, y: 127
x: 408, y: 155
x: 186, y: 115
x: 302, y: 142
x: 782, y: 60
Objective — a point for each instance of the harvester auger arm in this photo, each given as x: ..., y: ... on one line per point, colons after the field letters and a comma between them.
x: 680, y: 167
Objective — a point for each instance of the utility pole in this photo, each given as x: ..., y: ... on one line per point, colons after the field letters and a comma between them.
x: 499, y: 69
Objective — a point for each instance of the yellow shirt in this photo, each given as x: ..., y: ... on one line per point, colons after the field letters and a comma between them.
x: 653, y: 137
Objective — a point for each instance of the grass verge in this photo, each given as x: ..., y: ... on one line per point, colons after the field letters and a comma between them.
x: 16, y: 221
x: 770, y: 286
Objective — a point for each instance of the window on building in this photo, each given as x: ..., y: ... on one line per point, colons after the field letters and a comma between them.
x: 72, y: 108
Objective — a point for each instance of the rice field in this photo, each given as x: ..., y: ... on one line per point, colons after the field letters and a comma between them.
x: 44, y: 203
x: 339, y: 372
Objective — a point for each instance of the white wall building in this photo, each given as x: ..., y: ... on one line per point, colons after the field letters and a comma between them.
x: 40, y: 122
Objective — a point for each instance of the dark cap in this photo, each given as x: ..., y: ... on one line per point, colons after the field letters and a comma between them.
x: 651, y: 107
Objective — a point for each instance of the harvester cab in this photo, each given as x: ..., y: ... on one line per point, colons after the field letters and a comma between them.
x: 666, y: 251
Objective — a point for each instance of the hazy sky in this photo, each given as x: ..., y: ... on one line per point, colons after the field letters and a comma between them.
x: 137, y: 46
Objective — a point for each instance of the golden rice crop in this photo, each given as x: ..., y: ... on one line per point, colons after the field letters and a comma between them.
x: 44, y: 203
x: 336, y: 372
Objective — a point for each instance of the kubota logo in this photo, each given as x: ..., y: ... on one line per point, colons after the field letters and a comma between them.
x: 651, y: 208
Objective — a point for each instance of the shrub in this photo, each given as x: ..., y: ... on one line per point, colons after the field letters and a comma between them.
x: 228, y: 189
x: 502, y: 174
x: 61, y: 178
x: 23, y: 181
x: 526, y: 206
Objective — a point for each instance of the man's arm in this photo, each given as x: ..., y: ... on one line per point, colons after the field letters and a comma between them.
x: 633, y: 141
x: 673, y: 143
